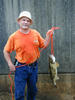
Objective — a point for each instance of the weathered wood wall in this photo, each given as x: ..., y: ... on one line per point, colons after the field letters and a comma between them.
x: 45, y: 14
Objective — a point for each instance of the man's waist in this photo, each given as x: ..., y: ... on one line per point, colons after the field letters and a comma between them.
x: 31, y: 64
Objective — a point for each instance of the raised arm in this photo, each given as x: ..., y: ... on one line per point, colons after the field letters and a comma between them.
x: 49, y: 34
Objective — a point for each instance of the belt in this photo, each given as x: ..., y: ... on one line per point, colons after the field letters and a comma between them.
x: 31, y: 64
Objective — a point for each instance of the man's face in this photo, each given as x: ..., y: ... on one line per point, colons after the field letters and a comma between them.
x: 24, y: 23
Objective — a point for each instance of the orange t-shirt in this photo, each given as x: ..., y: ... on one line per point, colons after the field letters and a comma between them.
x: 26, y: 45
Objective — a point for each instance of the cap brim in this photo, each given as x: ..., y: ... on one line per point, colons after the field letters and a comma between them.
x: 24, y: 16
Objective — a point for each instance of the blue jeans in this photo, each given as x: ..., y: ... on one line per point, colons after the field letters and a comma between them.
x: 26, y: 75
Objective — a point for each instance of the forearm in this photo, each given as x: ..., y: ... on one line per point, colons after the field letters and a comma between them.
x: 7, y: 57
x: 8, y: 60
x: 49, y: 34
x: 47, y: 41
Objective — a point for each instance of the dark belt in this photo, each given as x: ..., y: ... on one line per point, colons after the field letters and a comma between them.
x: 32, y: 64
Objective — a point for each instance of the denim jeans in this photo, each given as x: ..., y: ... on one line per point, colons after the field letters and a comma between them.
x: 26, y: 75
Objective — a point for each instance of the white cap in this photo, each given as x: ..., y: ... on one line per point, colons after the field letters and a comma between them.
x: 25, y: 14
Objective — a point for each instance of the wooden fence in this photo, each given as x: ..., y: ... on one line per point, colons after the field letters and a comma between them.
x: 45, y: 14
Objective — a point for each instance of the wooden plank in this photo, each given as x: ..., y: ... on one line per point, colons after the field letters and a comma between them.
x: 45, y: 14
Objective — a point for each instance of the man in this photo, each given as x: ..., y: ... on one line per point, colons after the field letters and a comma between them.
x: 26, y: 42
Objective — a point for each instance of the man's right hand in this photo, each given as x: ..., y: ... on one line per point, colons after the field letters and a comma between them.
x: 11, y: 67
x: 8, y: 60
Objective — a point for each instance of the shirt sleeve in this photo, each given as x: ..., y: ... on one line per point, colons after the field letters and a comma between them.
x: 9, y: 47
x: 41, y: 41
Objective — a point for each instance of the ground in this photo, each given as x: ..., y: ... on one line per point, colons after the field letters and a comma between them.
x: 65, y: 89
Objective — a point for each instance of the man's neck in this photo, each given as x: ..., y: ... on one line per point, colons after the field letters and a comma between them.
x: 25, y: 31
